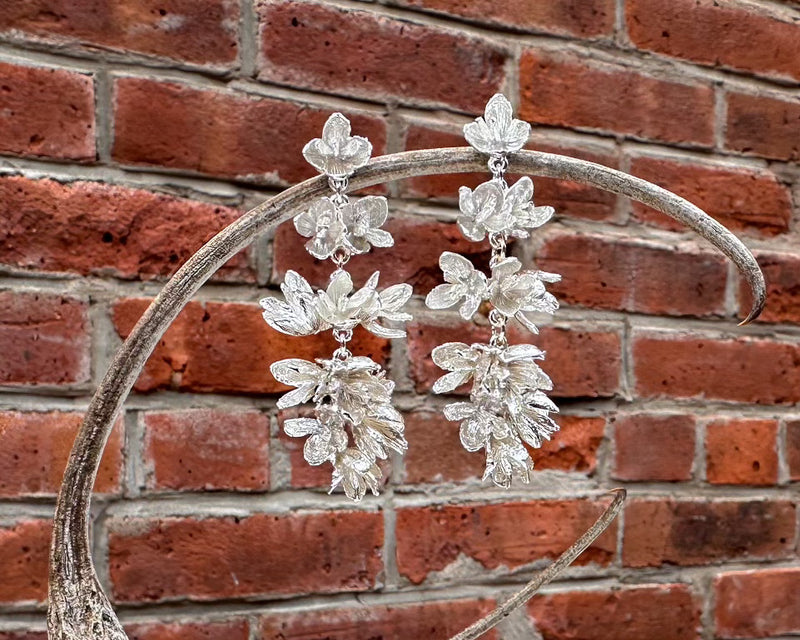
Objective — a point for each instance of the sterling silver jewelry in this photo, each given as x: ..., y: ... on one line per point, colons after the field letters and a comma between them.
x: 354, y: 422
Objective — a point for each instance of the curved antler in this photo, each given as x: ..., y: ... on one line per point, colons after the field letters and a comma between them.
x: 78, y: 608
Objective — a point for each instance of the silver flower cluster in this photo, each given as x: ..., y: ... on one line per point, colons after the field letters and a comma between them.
x: 354, y: 423
x: 507, y: 405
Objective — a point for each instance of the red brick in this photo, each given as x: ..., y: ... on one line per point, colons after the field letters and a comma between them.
x: 422, y: 621
x: 757, y: 604
x: 226, y: 347
x: 23, y: 635
x: 763, y: 126
x: 207, y: 449
x: 687, y: 533
x: 745, y: 38
x: 413, y: 259
x: 359, y: 53
x: 93, y: 228
x: 742, y: 452
x: 624, y: 275
x: 585, y: 19
x: 655, y: 612
x: 793, y: 449
x: 225, y: 630
x: 782, y: 273
x: 36, y: 446
x: 218, y: 558
x: 581, y: 363
x: 24, y: 552
x: 567, y: 91
x: 741, y: 199
x: 221, y: 133
x: 202, y: 32
x: 747, y: 370
x: 653, y: 447
x: 43, y: 338
x: 574, y: 447
x: 508, y: 535
x: 569, y: 198
x: 46, y: 112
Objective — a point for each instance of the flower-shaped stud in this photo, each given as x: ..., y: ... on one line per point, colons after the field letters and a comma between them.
x: 462, y: 281
x: 497, y: 131
x: 337, y: 153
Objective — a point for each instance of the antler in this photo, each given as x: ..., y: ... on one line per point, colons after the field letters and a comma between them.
x: 73, y: 582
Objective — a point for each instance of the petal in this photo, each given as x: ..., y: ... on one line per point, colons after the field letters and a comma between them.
x: 302, y: 394
x: 384, y: 332
x: 305, y: 224
x: 505, y: 268
x: 450, y: 381
x: 340, y: 286
x: 452, y: 356
x: 456, y: 268
x: 526, y: 322
x: 520, y: 192
x: 315, y: 155
x: 318, y: 450
x: 288, y: 319
x: 471, y: 305
x: 498, y: 112
x: 300, y: 427
x: 522, y: 352
x: 459, y: 410
x: 374, y: 208
x: 466, y: 202
x: 380, y: 238
x: 474, y: 432
x: 294, y: 371
x: 394, y: 297
x: 479, y: 136
x: 471, y: 229
x: 336, y: 130
x: 444, y: 296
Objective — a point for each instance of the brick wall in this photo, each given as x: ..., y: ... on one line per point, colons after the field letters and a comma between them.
x: 131, y: 131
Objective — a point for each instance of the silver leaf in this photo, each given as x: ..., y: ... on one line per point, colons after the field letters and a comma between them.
x: 497, y: 131
x: 337, y: 153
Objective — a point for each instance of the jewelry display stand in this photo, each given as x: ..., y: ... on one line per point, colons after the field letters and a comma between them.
x: 78, y: 607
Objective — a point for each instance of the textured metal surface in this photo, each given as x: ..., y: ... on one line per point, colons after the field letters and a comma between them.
x: 78, y: 608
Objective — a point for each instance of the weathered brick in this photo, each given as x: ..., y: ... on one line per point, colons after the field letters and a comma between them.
x: 742, y: 452
x: 654, y: 447
x: 748, y: 370
x: 152, y: 560
x: 745, y: 37
x: 569, y: 198
x: 226, y: 347
x: 196, y: 31
x: 582, y: 363
x: 430, y: 620
x: 763, y: 126
x: 574, y: 447
x: 225, y: 630
x: 46, y: 112
x: 655, y: 612
x: 207, y: 449
x: 581, y: 18
x: 782, y: 273
x: 510, y: 535
x: 93, y: 228
x: 24, y: 552
x: 413, y: 259
x: 221, y: 133
x: 43, y: 338
x: 359, y: 53
x: 625, y: 275
x: 564, y: 90
x: 741, y: 199
x: 34, y: 448
x: 793, y: 448
x: 696, y: 532
x: 757, y: 604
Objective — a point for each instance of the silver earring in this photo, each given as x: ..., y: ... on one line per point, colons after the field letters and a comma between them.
x: 507, y: 404
x: 354, y: 423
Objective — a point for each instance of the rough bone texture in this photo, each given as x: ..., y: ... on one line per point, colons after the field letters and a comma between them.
x: 161, y: 101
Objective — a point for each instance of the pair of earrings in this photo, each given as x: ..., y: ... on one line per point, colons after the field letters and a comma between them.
x: 354, y: 423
